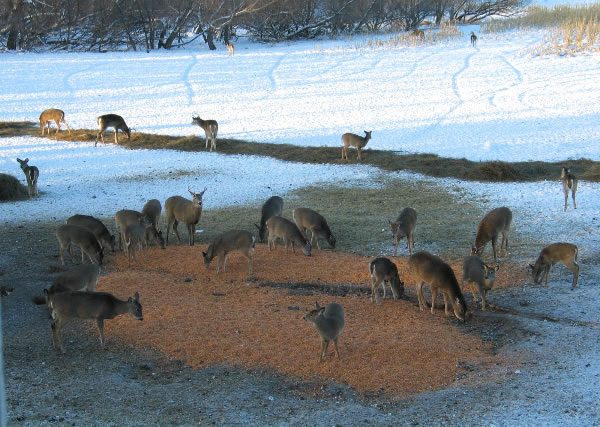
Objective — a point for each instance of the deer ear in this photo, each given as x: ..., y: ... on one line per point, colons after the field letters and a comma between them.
x: 26, y: 160
x: 531, y: 266
x: 136, y: 296
x: 204, y: 254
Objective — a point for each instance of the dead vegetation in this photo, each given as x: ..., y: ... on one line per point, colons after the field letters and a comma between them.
x: 11, y: 188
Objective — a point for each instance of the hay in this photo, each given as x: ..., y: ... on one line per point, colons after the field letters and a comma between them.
x: 11, y: 188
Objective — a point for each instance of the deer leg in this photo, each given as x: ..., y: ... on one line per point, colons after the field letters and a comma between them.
x: 574, y: 267
x: 358, y: 156
x: 337, y: 351
x: 374, y: 295
x: 505, y: 239
x: 67, y: 125
x: 248, y: 254
x: 546, y: 274
x: 482, y: 293
x: 433, y: 297
x: 175, y: 224
x: 224, y: 262
x: 420, y: 296
x: 384, y: 289
x: 566, y: 199
x: 494, y: 241
x: 445, y: 303
x: 100, y: 325
x: 343, y: 149
x: 324, y: 347
x: 116, y: 136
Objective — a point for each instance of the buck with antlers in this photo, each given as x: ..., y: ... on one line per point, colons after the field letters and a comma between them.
x: 179, y: 209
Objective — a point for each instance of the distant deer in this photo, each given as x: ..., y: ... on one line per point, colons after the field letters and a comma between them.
x: 494, y: 223
x: 353, y: 140
x: 211, y: 127
x: 404, y: 226
x: 473, y: 39
x: 329, y: 321
x: 309, y: 220
x: 97, y: 227
x: 430, y: 269
x: 179, y: 209
x: 230, y: 48
x: 68, y: 235
x: 32, y: 173
x: 82, y: 277
x: 569, y: 183
x: 151, y: 211
x: 272, y: 207
x: 99, y: 306
x: 284, y: 229
x: 419, y: 34
x: 53, y: 115
x: 230, y: 241
x: 112, y: 121
x: 550, y: 255
x: 383, y: 270
x: 123, y: 219
x: 478, y: 275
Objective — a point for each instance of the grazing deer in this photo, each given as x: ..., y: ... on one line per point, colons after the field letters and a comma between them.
x: 151, y: 211
x: 134, y: 238
x: 404, y: 226
x: 230, y: 48
x: 99, y: 306
x: 307, y: 219
x: 478, y: 275
x: 430, y: 269
x: 569, y: 183
x: 230, y: 241
x: 211, y: 127
x: 32, y: 174
x: 383, y: 270
x: 53, y: 115
x: 329, y: 321
x: 550, y: 255
x: 112, y: 121
x: 105, y: 239
x: 353, y: 140
x: 82, y: 277
x: 495, y: 222
x: 68, y: 235
x: 272, y: 207
x: 154, y: 235
x: 124, y: 218
x: 179, y: 209
x: 284, y: 229
x: 473, y: 39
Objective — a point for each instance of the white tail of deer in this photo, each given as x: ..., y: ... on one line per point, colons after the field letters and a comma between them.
x: 284, y: 229
x: 211, y: 128
x: 272, y: 207
x: 112, y: 121
x: 478, y: 276
x: 404, y: 226
x: 230, y: 241
x: 356, y: 141
x: 53, y: 115
x: 179, y: 209
x: 383, y: 270
x: 329, y: 321
x: 69, y: 235
x: 32, y: 173
x: 569, y: 184
x: 550, y: 255
x: 494, y: 223
x: 230, y: 49
x: 309, y: 220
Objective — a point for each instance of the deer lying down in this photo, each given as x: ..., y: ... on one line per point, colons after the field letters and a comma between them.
x: 230, y: 241
x: 309, y: 220
x: 284, y: 229
x: 329, y: 321
x: 68, y: 235
x: 478, y: 275
x: 82, y: 277
x: 383, y: 270
x: 272, y: 207
x: 550, y: 255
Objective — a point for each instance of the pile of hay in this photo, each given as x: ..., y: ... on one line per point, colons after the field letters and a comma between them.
x: 11, y: 188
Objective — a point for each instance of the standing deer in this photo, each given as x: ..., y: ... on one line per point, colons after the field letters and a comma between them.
x: 151, y: 211
x: 473, y: 39
x: 179, y: 209
x: 329, y: 321
x: 230, y: 241
x: 230, y: 48
x: 309, y: 220
x: 32, y: 173
x: 112, y: 121
x: 569, y: 183
x: 383, y: 270
x: 123, y: 219
x: 272, y: 207
x: 96, y: 226
x: 479, y: 276
x: 53, y: 115
x: 495, y: 222
x: 82, y: 277
x: 353, y: 140
x: 550, y: 255
x: 211, y: 127
x: 134, y: 238
x: 68, y: 235
x: 99, y: 306
x: 284, y: 229
x: 430, y: 269
x: 404, y: 226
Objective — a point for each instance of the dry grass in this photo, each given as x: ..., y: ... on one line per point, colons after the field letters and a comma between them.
x: 11, y: 188
x: 411, y: 38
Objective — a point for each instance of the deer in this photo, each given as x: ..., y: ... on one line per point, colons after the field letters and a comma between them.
x: 53, y: 115
x: 211, y: 127
x: 97, y: 227
x: 479, y: 276
x: 473, y: 39
x: 404, y: 226
x: 112, y: 121
x: 383, y: 270
x: 230, y: 241
x: 68, y: 235
x: 230, y: 48
x: 495, y: 222
x: 151, y: 210
x: 179, y: 209
x: 124, y: 218
x: 272, y: 207
x: 329, y: 321
x: 134, y: 238
x: 284, y: 229
x: 82, y: 277
x: 353, y: 140
x: 32, y: 173
x: 419, y: 34
x: 550, y: 255
x: 99, y: 306
x: 308, y: 220
x: 430, y: 269
x: 569, y: 183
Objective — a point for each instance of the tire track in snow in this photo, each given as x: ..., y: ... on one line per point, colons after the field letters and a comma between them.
x: 519, y: 81
x: 68, y: 87
x: 185, y: 77
x: 272, y: 70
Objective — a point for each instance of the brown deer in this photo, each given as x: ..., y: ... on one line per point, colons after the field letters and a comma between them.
x: 495, y: 222
x: 404, y: 226
x: 430, y: 269
x: 98, y: 306
x: 478, y: 276
x: 353, y: 140
x: 68, y: 235
x: 179, y: 209
x: 211, y: 127
x: 569, y: 183
x: 230, y: 48
x: 272, y: 207
x: 124, y: 218
x: 112, y: 121
x: 329, y: 321
x: 383, y: 270
x: 418, y: 34
x: 284, y: 229
x: 309, y: 220
x: 53, y: 115
x: 473, y: 39
x: 97, y: 227
x: 550, y: 255
x: 151, y: 210
x: 32, y: 174
x: 82, y: 277
x: 134, y: 238
x: 230, y: 241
